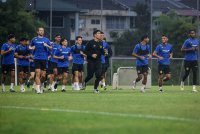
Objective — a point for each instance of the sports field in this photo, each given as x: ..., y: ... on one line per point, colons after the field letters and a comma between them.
x: 110, y: 112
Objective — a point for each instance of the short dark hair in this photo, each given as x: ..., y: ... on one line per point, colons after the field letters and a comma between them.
x: 39, y: 28
x: 96, y: 31
x: 62, y: 40
x: 10, y: 36
x: 164, y: 35
x: 23, y: 39
x: 77, y: 37
x: 191, y: 30
x: 144, y: 37
x: 57, y: 35
x: 102, y: 32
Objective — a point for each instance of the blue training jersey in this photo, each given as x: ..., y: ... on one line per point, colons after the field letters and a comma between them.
x: 105, y: 46
x: 142, y: 50
x: 55, y: 47
x: 8, y: 59
x: 63, y: 52
x: 41, y: 52
x: 77, y: 57
x: 24, y: 51
x: 164, y: 51
x: 191, y: 55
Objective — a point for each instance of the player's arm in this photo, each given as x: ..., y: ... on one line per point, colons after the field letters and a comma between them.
x: 56, y: 55
x: 18, y: 56
x: 155, y: 53
x: 4, y: 52
x: 184, y: 49
x: 134, y: 53
x: 88, y: 50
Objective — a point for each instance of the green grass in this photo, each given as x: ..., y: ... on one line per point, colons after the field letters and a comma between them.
x: 110, y: 112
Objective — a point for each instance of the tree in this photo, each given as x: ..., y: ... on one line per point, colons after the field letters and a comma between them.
x: 16, y: 20
x: 175, y: 27
x: 124, y: 43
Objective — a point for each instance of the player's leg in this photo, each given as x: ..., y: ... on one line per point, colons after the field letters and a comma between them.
x: 76, y: 80
x: 139, y: 76
x: 64, y: 82
x: 12, y: 72
x: 3, y: 77
x: 186, y: 73
x: 194, y: 71
x: 21, y: 78
x: 98, y: 71
x: 37, y: 75
x: 90, y: 73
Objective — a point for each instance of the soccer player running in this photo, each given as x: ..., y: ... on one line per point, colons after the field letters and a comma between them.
x: 63, y: 55
x: 142, y: 54
x: 53, y: 72
x: 78, y: 55
x: 190, y: 48
x: 41, y: 46
x: 22, y: 53
x: 164, y: 53
x: 104, y: 61
x: 94, y: 50
x: 8, y: 64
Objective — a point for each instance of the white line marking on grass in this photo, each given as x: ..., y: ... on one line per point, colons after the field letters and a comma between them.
x: 155, y: 117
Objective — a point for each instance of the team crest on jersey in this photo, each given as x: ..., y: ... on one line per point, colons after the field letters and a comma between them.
x: 161, y: 72
x: 60, y: 49
x: 187, y: 68
x: 94, y: 45
x: 100, y: 46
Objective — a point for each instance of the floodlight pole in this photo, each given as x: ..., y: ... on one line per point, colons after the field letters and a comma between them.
x: 101, y: 14
x: 50, y: 27
x: 198, y: 33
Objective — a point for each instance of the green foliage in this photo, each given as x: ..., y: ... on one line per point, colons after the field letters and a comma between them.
x: 175, y: 27
x: 16, y: 20
x: 125, y: 42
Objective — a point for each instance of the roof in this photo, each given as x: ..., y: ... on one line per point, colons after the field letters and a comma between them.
x: 96, y: 4
x: 190, y: 3
x: 74, y: 5
x: 188, y: 12
x: 57, y: 5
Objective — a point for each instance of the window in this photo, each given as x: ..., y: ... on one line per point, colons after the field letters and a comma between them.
x: 115, y: 22
x: 57, y: 21
x: 132, y: 22
x: 72, y: 24
x: 95, y: 21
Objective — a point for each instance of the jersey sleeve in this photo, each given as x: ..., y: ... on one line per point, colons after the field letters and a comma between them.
x: 135, y: 50
x: 4, y: 47
x: 148, y: 48
x: 157, y: 49
x: 185, y: 44
x: 32, y: 42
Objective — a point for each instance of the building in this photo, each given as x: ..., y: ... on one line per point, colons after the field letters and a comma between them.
x: 82, y: 17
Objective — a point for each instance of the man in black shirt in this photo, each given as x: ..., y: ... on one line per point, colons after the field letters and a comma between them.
x: 94, y: 50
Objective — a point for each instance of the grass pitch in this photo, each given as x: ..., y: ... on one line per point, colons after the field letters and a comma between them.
x: 110, y: 112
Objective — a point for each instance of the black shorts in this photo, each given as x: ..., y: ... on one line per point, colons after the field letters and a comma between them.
x: 40, y: 64
x: 164, y: 69
x: 62, y: 70
x: 6, y: 68
x: 24, y: 69
x: 142, y: 69
x: 188, y: 65
x: 77, y: 67
x: 104, y: 68
x: 51, y: 67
